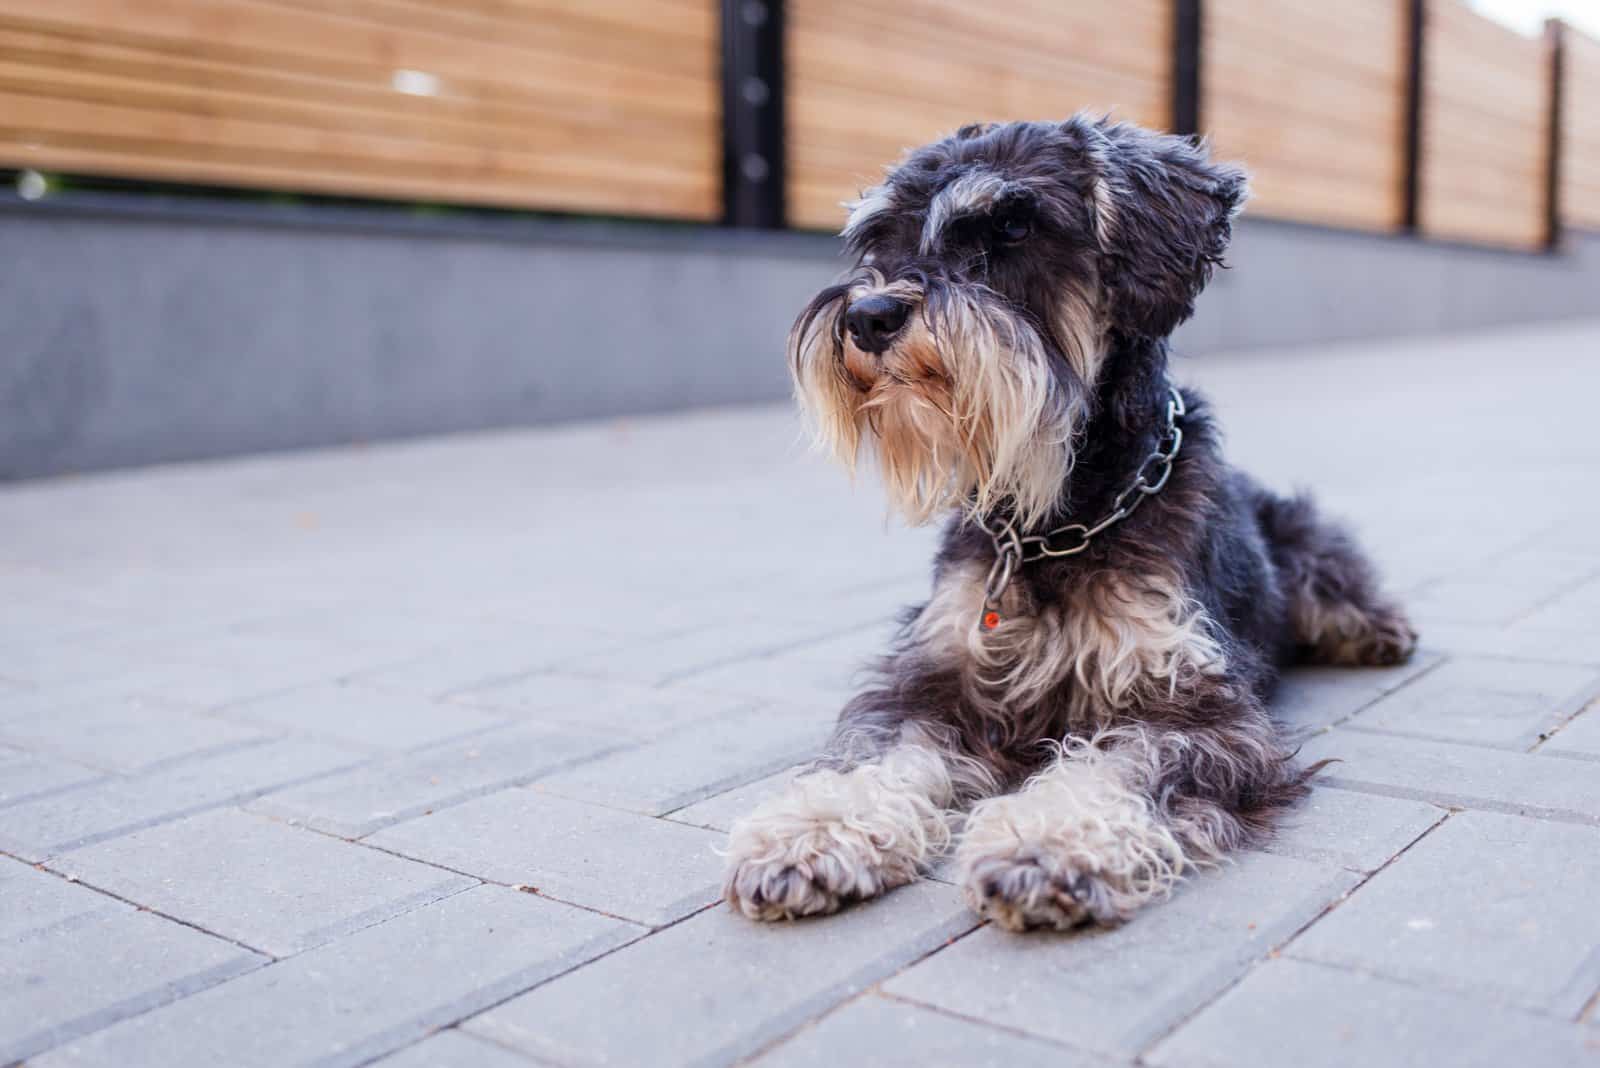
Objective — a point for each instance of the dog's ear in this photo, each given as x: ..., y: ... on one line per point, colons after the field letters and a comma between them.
x: 1163, y: 216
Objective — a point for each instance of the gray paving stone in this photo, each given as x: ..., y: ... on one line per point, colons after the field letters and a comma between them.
x: 1465, y: 776
x: 1570, y: 533
x: 76, y: 660
x: 787, y: 676
x: 876, y: 597
x: 101, y: 810
x: 720, y: 811
x: 1311, y: 698
x: 1525, y: 639
x: 1115, y: 991
x: 98, y: 966
x: 28, y: 775
x: 1489, y: 904
x: 1574, y: 610
x: 48, y: 702
x: 1360, y: 832
x: 682, y: 656
x: 1507, y: 703
x: 398, y: 631
x: 125, y: 733
x: 735, y: 985
x: 37, y: 613
x: 365, y: 717
x: 1518, y: 584
x: 635, y: 709
x: 1311, y: 1016
x: 370, y: 993
x: 233, y: 666
x: 880, y: 1032
x: 35, y: 900
x: 275, y: 888
x: 764, y: 574
x: 824, y: 673
x: 636, y: 867
x: 523, y: 650
x: 858, y: 647
x: 687, y: 765
x: 19, y: 703
x: 1580, y: 738
x: 454, y: 1049
x: 385, y: 792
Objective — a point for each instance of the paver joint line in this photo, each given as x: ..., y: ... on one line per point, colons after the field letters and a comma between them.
x: 1284, y: 945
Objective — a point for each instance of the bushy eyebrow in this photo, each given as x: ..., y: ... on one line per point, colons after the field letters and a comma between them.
x: 863, y: 210
x: 973, y: 193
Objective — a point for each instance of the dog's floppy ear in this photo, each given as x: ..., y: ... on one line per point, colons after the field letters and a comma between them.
x: 1163, y: 216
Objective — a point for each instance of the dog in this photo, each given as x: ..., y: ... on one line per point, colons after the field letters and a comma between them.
x: 1111, y: 602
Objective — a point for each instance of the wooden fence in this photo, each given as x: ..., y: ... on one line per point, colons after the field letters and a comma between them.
x: 1485, y: 130
x: 585, y: 105
x: 1580, y: 138
x: 866, y: 78
x: 635, y: 106
x: 1312, y: 96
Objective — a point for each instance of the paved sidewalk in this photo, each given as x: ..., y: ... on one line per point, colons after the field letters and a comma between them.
x: 419, y: 754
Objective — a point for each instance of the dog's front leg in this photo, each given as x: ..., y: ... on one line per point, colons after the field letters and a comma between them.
x: 870, y: 817
x: 1116, y: 820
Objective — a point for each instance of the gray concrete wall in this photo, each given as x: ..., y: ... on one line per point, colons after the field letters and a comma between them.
x: 1289, y: 284
x: 135, y: 330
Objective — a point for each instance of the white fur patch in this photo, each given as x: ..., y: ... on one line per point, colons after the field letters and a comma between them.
x: 1082, y: 840
x: 1078, y: 330
x: 862, y: 209
x: 1115, y: 637
x: 970, y: 193
x: 1104, y: 202
x: 832, y: 837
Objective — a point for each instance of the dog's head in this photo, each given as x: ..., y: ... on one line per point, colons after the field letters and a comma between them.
x: 994, y: 270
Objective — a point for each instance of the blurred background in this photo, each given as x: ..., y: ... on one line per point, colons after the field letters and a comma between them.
x: 239, y: 225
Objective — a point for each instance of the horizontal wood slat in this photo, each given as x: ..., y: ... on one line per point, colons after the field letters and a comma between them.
x: 612, y: 106
x: 1486, y: 139
x: 1310, y: 97
x: 869, y: 78
x: 605, y: 106
x: 1580, y: 159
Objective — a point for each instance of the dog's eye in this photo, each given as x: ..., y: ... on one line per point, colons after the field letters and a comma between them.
x: 1012, y: 226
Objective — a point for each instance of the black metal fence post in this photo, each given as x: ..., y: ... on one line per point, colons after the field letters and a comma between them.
x: 1555, y: 33
x: 1186, y: 60
x: 752, y: 114
x: 1416, y: 31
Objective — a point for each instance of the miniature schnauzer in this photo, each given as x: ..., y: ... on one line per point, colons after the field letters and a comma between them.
x: 1111, y: 601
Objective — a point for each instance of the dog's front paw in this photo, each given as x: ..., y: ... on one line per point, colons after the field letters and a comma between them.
x: 832, y: 838
x: 1022, y: 891
x: 1076, y: 845
x: 785, y: 872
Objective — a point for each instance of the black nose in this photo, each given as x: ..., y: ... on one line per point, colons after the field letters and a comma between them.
x: 874, y: 321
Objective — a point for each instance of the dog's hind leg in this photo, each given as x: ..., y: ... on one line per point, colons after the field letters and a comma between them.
x: 1338, y: 613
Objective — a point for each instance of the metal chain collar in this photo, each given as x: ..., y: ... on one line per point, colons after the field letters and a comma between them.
x: 1012, y: 548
